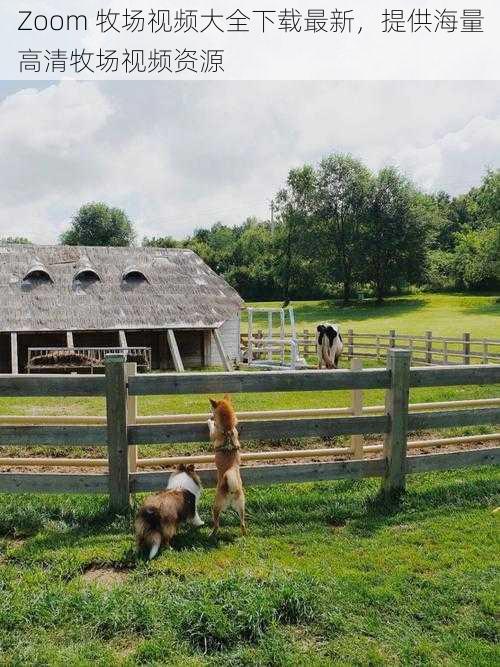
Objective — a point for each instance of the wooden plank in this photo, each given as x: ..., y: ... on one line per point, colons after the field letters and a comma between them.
x: 395, y: 442
x: 261, y: 381
x: 226, y: 362
x: 51, y: 385
x: 357, y: 411
x: 123, y: 338
x: 116, y: 407
x: 259, y: 430
x: 52, y: 461
x: 174, y: 351
x: 428, y: 345
x: 272, y: 474
x: 451, y: 460
x: 53, y: 436
x: 466, y: 347
x: 445, y: 376
x: 14, y: 361
x: 23, y: 482
x: 419, y: 420
x: 131, y: 370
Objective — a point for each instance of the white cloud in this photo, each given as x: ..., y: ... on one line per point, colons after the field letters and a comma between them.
x: 181, y: 155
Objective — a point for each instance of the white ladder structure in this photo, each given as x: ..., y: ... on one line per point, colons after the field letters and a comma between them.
x: 260, y: 351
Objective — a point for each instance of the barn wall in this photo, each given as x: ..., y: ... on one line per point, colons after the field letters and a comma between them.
x: 26, y: 340
x: 230, y: 336
x: 5, y: 365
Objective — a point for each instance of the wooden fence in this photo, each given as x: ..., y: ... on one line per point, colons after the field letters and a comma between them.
x: 120, y: 433
x: 426, y: 350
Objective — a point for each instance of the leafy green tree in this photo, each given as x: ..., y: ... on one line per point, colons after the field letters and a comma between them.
x: 394, y: 234
x: 293, y: 239
x: 475, y: 259
x: 97, y: 224
x: 343, y: 202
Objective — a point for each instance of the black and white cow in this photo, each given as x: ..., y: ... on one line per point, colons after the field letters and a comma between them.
x: 329, y: 345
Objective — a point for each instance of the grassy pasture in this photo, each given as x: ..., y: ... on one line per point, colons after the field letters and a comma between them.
x: 325, y: 577
x: 443, y: 314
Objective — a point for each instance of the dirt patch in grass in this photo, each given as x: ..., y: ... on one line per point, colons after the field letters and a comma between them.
x: 105, y: 576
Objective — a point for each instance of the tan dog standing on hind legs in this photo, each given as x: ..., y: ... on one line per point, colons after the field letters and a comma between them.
x: 224, y: 435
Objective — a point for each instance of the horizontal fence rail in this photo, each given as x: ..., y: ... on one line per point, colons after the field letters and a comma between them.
x: 52, y: 385
x: 425, y: 349
x: 260, y: 430
x: 263, y: 381
x: 122, y: 430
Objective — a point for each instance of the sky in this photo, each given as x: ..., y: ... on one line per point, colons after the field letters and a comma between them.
x: 182, y: 155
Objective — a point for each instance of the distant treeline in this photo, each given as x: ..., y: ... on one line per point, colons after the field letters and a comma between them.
x: 340, y: 229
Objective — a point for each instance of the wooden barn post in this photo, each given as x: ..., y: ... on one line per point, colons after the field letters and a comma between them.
x: 117, y: 437
x: 395, y: 442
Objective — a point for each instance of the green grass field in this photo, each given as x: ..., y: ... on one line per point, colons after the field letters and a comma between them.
x: 325, y: 576
x: 443, y: 314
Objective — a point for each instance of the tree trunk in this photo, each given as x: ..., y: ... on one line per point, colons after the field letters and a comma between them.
x: 346, y: 293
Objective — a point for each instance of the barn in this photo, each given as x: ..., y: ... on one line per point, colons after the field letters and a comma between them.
x: 76, y: 297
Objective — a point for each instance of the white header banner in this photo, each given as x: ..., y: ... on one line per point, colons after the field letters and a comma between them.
x: 241, y: 40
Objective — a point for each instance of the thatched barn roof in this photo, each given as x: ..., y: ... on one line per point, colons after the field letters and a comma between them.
x: 65, y: 288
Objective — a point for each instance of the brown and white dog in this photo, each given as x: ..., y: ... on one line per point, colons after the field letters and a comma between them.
x: 224, y: 436
x: 329, y: 345
x: 161, y: 514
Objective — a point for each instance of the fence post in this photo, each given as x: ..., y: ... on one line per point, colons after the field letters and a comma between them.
x: 357, y: 411
x: 132, y: 417
x: 392, y: 338
x: 117, y: 440
x: 396, y: 403
x: 466, y: 338
x: 428, y: 346
x: 350, y: 344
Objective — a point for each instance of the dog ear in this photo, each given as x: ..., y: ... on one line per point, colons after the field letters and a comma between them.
x: 213, y: 403
x: 227, y: 398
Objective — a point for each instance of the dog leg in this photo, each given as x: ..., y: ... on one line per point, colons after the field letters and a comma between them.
x: 211, y: 427
x: 219, y: 504
x: 197, y: 521
x: 239, y: 504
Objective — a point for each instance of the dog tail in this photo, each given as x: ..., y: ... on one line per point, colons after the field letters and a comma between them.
x: 155, y: 543
x: 148, y: 530
x: 233, y: 480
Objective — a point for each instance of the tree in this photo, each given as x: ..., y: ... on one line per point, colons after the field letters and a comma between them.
x: 344, y: 193
x: 394, y: 234
x: 97, y: 224
x: 15, y: 240
x: 475, y: 261
x: 293, y: 239
x: 160, y: 242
